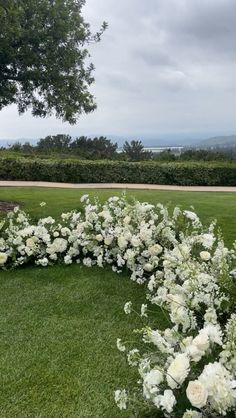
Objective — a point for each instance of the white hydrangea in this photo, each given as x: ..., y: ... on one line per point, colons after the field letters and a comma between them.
x: 220, y: 386
x: 166, y: 401
x: 178, y: 370
x: 151, y: 383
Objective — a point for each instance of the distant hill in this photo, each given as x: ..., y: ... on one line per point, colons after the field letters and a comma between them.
x: 217, y: 142
x: 6, y: 142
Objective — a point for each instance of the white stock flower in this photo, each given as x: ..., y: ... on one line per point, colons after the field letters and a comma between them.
x: 133, y: 357
x: 207, y: 240
x: 121, y: 398
x: 166, y: 401
x: 152, y: 283
x: 214, y: 333
x: 128, y: 308
x: 210, y: 316
x: 192, y: 217
x: 120, y: 346
x: 197, y: 394
x: 151, y: 383
x: 144, y: 310
x: 84, y: 198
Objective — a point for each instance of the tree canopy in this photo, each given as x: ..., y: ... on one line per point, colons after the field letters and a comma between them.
x: 44, y: 57
x: 134, y: 151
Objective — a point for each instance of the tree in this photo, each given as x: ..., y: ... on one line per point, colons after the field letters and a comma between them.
x: 54, y: 143
x: 43, y: 57
x: 135, y: 151
x: 96, y: 148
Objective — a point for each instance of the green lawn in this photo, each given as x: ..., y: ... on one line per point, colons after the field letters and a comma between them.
x: 208, y: 205
x: 59, y: 325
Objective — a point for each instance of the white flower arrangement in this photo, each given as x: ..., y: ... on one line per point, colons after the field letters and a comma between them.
x: 189, y: 368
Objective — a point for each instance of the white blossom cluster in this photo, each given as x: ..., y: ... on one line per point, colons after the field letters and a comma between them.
x: 188, y: 274
x: 193, y: 360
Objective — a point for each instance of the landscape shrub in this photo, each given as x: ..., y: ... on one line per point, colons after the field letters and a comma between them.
x: 84, y: 171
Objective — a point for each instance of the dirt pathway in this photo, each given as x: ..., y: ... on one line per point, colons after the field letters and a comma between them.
x: 116, y: 186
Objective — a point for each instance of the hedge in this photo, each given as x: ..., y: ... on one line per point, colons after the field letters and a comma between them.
x: 71, y: 171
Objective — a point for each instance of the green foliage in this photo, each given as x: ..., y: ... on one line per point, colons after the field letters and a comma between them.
x: 134, y: 151
x: 54, y: 144
x: 63, y: 145
x: 96, y: 148
x: 208, y: 155
x: 43, y: 57
x: 76, y: 171
x: 166, y: 155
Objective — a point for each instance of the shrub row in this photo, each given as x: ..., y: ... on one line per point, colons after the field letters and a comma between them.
x: 195, y: 174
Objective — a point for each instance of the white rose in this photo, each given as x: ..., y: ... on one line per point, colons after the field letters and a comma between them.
x: 30, y: 242
x: 148, y: 267
x: 135, y: 241
x: 127, y: 220
x: 99, y: 237
x: 155, y: 249
x: 205, y: 255
x: 178, y: 371
x: 108, y: 240
x: 197, y: 394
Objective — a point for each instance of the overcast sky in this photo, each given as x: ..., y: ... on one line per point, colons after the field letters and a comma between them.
x: 164, y: 68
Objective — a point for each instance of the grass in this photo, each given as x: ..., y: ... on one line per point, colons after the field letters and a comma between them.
x: 58, y: 355
x: 59, y: 325
x: 208, y: 205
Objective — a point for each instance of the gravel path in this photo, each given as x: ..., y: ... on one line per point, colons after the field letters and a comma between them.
x: 116, y: 186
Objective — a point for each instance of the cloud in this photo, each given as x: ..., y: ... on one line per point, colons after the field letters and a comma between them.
x: 162, y: 65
